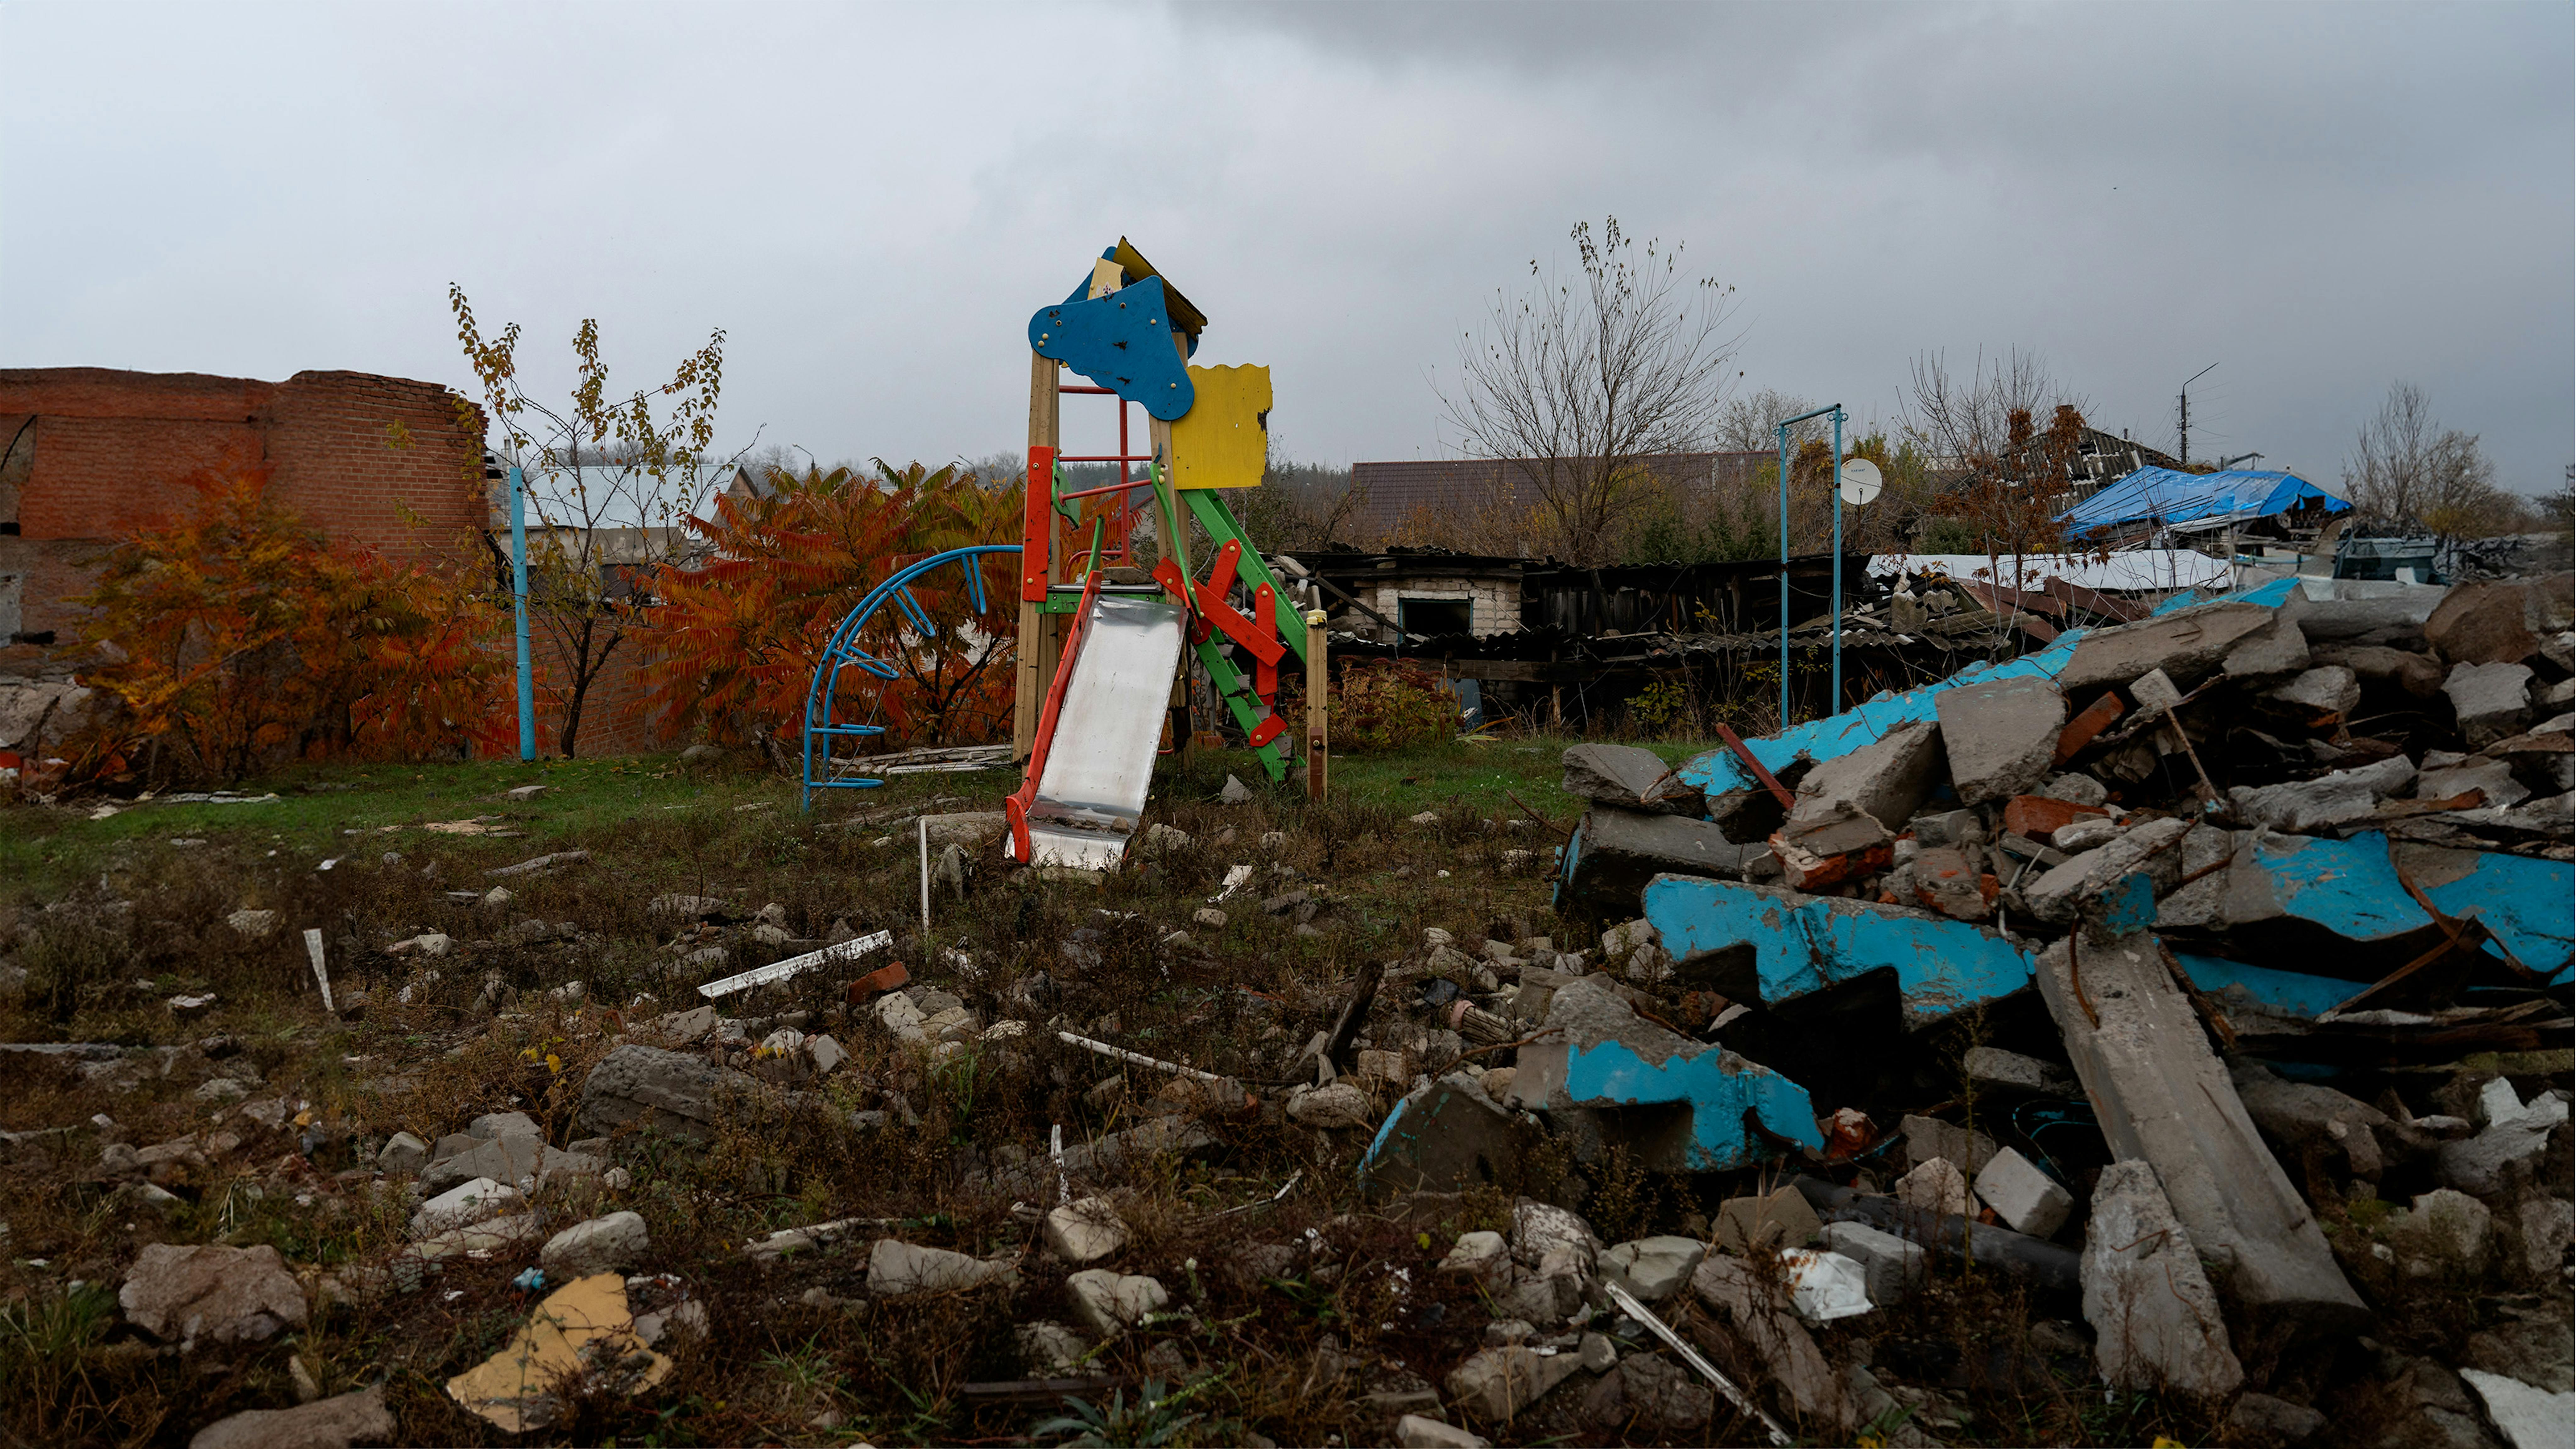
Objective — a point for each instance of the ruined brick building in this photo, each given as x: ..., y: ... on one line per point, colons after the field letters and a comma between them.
x: 385, y: 463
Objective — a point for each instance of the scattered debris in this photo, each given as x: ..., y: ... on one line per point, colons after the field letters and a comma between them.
x: 581, y: 1339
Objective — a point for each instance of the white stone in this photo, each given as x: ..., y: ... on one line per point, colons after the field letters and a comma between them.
x: 1050, y: 1350
x: 896, y: 1268
x: 1086, y: 1231
x: 1935, y: 1186
x: 1416, y: 1432
x: 255, y: 924
x: 1541, y: 1228
x: 464, y: 1204
x: 1481, y: 1254
x: 2023, y: 1196
x: 403, y: 1152
x: 1337, y: 1107
x: 824, y: 1053
x: 1653, y: 1269
x: 2530, y: 1418
x: 1108, y: 1302
x: 611, y: 1244
x: 1497, y: 1383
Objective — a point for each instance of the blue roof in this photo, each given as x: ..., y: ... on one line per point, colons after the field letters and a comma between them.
x: 2165, y: 496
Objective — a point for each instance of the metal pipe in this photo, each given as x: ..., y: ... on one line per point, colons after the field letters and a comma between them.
x: 1784, y: 426
x: 1835, y: 705
x: 519, y: 602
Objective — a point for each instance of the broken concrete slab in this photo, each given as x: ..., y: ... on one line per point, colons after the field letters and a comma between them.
x: 2061, y: 894
x: 1444, y: 1137
x: 2305, y: 898
x: 1995, y: 1067
x: 2313, y: 1125
x: 1819, y: 1400
x: 1600, y: 1060
x: 2156, y: 1321
x: 2311, y: 806
x: 2187, y: 644
x: 2162, y: 1095
x: 2492, y: 779
x: 2320, y: 698
x: 2381, y: 667
x: 1629, y: 777
x: 2495, y: 623
x: 1892, y: 1266
x: 2491, y: 701
x: 212, y: 1294
x: 1927, y: 1138
x: 1653, y: 1269
x: 2000, y: 738
x: 1084, y: 1232
x: 1753, y: 1226
x: 612, y: 1244
x: 1802, y: 943
x: 1613, y: 853
x: 332, y: 1423
x: 1886, y: 781
x: 2027, y: 1199
x: 524, y: 1161
x: 1495, y: 1384
x: 672, y: 1093
x: 2276, y: 649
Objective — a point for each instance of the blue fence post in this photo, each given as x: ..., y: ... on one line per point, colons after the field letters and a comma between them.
x: 519, y: 591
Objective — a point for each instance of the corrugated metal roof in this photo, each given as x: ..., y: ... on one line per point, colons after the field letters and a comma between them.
x: 2195, y: 500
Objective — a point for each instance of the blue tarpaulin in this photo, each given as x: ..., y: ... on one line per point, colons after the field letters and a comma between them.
x: 2189, y: 501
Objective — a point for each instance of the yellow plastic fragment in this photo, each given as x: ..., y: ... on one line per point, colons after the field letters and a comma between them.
x: 582, y: 1329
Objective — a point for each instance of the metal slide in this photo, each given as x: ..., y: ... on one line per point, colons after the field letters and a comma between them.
x: 1096, y: 761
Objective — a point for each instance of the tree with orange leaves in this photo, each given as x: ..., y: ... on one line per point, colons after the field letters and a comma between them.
x: 249, y: 642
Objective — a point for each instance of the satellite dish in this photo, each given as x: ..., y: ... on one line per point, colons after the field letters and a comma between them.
x: 1860, y: 481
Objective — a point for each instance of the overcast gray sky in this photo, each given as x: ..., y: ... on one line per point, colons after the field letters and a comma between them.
x: 871, y: 201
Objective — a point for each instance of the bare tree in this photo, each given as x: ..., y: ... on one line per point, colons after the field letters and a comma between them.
x: 1579, y: 381
x: 2406, y: 466
x: 1750, y: 423
x: 611, y: 486
x: 1958, y: 421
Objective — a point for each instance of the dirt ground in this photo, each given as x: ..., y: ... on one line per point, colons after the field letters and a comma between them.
x: 1297, y: 1311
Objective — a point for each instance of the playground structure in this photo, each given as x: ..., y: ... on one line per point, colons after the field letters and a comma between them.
x: 1105, y: 645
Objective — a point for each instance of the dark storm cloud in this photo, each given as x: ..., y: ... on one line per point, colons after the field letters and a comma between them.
x: 2320, y: 199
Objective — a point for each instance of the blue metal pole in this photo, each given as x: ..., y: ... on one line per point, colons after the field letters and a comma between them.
x: 1836, y: 706
x: 519, y: 590
x: 1784, y: 576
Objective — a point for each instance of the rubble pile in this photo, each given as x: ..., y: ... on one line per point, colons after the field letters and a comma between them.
x: 2211, y: 968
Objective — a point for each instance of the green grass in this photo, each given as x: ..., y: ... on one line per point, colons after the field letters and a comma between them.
x: 344, y: 811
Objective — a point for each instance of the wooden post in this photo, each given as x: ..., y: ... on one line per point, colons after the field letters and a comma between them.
x: 1034, y: 669
x: 1318, y: 717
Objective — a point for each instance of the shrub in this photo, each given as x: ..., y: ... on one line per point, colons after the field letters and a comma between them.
x: 249, y: 642
x: 1388, y: 704
x: 740, y: 636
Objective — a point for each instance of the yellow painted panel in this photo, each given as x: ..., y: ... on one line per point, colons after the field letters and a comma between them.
x: 1223, y: 441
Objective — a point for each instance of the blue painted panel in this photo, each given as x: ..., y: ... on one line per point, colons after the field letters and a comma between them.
x: 2286, y: 991
x: 1122, y: 342
x: 1718, y: 1086
x: 1805, y: 943
x: 1868, y: 722
x: 2350, y: 888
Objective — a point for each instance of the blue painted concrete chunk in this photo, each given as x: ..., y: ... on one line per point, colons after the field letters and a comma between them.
x: 2284, y: 991
x: 1867, y: 723
x: 2351, y: 888
x: 1718, y: 1085
x: 1803, y: 943
x: 1123, y: 342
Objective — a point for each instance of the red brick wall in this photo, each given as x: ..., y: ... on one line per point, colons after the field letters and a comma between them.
x: 112, y: 451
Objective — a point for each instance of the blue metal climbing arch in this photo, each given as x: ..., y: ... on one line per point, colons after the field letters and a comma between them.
x: 843, y: 651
